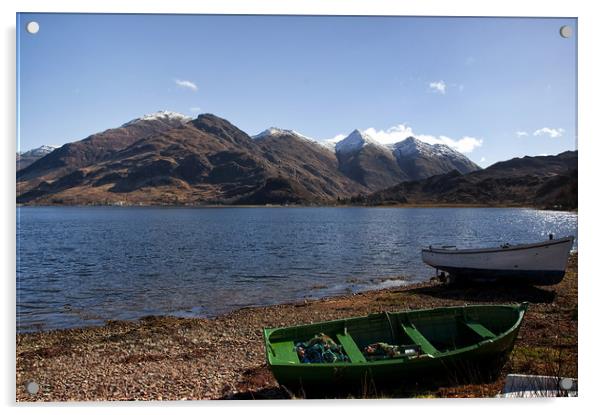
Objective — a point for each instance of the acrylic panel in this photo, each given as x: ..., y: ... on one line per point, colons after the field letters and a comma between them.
x: 286, y: 206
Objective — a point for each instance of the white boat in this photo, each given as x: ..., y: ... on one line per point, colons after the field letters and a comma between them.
x: 542, y: 263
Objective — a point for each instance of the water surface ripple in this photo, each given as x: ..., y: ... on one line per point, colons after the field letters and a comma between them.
x: 84, y: 265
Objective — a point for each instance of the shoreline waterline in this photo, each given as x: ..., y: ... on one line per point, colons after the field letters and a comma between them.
x: 288, y: 206
x: 168, y: 358
x: 385, y: 284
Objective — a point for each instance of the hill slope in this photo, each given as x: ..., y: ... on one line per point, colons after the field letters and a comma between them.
x: 544, y: 181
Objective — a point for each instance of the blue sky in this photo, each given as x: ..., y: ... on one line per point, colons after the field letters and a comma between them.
x: 494, y: 88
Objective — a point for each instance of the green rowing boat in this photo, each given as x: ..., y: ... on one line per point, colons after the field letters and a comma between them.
x: 394, y: 347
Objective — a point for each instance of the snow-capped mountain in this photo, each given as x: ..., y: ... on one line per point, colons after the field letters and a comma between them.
x: 25, y: 158
x: 366, y: 161
x: 38, y: 152
x: 412, y: 146
x: 280, y: 132
x: 355, y: 141
x: 165, y: 116
x: 420, y: 160
x: 377, y: 165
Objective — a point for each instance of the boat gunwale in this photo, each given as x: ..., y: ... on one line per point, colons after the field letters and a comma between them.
x: 499, y: 249
x: 521, y: 307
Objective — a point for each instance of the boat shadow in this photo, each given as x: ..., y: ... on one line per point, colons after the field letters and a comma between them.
x: 259, y: 384
x: 398, y: 390
x: 489, y: 292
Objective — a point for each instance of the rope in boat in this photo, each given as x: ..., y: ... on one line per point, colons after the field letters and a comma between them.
x: 320, y: 349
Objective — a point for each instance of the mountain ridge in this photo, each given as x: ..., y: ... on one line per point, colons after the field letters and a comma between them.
x: 370, y: 162
x: 169, y: 158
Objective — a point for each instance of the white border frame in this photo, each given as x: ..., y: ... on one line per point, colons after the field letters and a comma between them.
x: 590, y: 34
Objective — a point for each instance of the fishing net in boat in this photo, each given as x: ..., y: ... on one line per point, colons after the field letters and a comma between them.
x: 320, y: 349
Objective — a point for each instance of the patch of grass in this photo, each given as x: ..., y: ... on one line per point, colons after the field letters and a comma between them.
x: 551, y: 361
x: 535, y: 353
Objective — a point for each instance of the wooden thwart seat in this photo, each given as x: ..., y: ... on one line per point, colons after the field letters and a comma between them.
x: 351, y: 349
x: 285, y: 351
x: 481, y: 330
x: 418, y: 338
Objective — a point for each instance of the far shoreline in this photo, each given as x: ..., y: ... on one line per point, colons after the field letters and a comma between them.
x: 280, y: 206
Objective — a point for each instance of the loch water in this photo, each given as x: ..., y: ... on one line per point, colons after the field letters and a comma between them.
x: 79, y: 266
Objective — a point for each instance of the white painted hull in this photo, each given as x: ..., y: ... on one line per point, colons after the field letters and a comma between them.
x: 542, y: 263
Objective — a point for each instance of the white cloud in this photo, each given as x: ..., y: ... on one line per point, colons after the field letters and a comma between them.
x: 552, y: 132
x: 465, y: 144
x: 400, y: 132
x: 438, y: 87
x: 482, y: 160
x: 186, y: 84
x: 522, y: 134
x: 391, y: 135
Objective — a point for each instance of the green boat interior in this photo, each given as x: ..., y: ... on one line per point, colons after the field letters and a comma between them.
x: 430, y: 332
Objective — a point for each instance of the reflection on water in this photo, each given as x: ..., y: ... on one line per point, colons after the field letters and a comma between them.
x: 79, y: 266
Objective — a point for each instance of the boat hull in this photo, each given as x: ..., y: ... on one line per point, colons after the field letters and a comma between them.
x: 469, y: 366
x: 505, y: 275
x: 479, y: 356
x: 541, y: 264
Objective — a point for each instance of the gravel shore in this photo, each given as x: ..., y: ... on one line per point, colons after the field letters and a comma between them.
x: 167, y: 358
